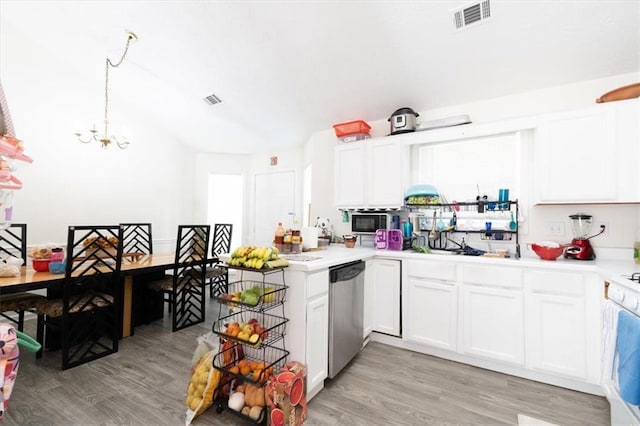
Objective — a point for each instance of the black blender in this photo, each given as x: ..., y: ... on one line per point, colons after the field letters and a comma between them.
x: 580, y: 247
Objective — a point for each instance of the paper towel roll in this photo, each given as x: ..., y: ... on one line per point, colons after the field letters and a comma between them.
x: 309, y: 237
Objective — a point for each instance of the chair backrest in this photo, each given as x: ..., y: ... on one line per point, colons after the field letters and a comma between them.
x: 221, y: 239
x: 189, y: 275
x: 137, y: 238
x: 97, y: 255
x: 191, y: 245
x: 92, y: 284
x: 13, y: 241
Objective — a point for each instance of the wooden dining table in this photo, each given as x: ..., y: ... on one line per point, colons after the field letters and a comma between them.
x: 133, y: 264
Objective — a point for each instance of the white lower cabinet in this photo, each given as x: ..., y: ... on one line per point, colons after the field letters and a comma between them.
x: 493, y: 312
x: 431, y: 304
x: 493, y: 323
x: 317, y: 345
x: 367, y: 308
x: 556, y: 322
x: 385, y: 286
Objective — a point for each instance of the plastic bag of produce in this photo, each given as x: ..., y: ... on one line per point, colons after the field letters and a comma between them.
x: 204, y: 380
x: 206, y: 343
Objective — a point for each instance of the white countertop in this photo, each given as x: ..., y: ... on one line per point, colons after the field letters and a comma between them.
x: 337, y: 254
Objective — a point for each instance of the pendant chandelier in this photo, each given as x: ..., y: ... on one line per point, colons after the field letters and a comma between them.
x: 105, y: 139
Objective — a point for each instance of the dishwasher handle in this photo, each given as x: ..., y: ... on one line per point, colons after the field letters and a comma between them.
x: 346, y: 272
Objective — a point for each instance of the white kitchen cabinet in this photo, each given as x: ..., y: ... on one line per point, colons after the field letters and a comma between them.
x: 493, y: 313
x: 371, y: 174
x: 367, y: 309
x: 385, y: 285
x: 556, y: 322
x: 431, y: 305
x: 349, y: 175
x: 317, y: 344
x: 588, y: 155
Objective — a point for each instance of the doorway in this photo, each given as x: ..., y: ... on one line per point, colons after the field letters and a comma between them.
x: 226, y: 192
x: 274, y: 198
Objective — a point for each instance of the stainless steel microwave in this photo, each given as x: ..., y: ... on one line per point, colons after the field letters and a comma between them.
x: 369, y: 223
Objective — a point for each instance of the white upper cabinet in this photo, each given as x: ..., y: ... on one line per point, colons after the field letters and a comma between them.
x: 349, y: 174
x: 588, y: 155
x: 371, y: 174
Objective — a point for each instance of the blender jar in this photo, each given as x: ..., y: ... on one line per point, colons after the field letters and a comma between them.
x: 581, y: 224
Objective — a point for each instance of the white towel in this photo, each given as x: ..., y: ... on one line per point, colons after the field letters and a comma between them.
x: 609, y: 333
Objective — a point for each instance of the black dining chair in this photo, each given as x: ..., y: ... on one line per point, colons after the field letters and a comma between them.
x: 137, y: 238
x: 184, y: 288
x: 84, y: 319
x: 13, y: 242
x: 217, y: 275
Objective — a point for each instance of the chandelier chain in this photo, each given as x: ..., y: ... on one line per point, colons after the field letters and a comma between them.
x: 106, y: 140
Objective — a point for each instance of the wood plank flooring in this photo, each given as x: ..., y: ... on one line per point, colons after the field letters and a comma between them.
x: 145, y: 383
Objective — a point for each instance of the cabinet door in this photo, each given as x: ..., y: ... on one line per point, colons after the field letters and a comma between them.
x: 317, y: 350
x: 576, y: 157
x: 349, y: 175
x: 386, y: 296
x: 386, y: 169
x: 493, y: 323
x: 556, y: 323
x: 432, y: 313
x: 367, y: 309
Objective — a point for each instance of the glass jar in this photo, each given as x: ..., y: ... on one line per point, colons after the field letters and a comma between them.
x: 57, y: 254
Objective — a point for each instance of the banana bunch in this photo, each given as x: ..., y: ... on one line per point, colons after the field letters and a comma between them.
x: 253, y: 257
x: 242, y: 251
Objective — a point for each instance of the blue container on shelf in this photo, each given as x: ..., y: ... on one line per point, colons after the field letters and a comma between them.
x: 57, y: 267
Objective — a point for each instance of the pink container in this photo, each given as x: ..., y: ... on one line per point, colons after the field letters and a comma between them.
x: 394, y: 239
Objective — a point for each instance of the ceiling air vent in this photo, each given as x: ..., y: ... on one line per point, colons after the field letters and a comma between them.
x: 473, y: 13
x: 212, y: 100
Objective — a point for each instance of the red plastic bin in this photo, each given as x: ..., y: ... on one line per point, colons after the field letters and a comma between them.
x: 351, y: 127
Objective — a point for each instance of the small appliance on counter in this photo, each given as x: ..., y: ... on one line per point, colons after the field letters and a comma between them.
x: 369, y: 223
x: 389, y: 239
x: 580, y: 247
x: 403, y: 120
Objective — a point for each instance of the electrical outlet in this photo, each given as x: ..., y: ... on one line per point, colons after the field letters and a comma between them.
x: 555, y: 228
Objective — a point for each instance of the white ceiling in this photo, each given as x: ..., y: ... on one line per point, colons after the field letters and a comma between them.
x: 286, y: 69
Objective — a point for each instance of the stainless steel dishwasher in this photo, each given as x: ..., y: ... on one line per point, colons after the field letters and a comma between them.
x: 346, y: 301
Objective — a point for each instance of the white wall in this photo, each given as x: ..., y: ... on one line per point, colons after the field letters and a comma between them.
x: 248, y: 166
x: 623, y: 220
x: 72, y: 183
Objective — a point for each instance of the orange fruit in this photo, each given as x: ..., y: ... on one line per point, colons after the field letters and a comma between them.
x: 245, y: 369
x: 256, y: 375
x: 234, y: 370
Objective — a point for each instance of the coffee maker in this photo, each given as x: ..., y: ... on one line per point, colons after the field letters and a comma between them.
x: 580, y: 247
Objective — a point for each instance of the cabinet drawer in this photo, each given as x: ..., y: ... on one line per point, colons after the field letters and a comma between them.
x: 442, y: 271
x: 561, y: 283
x: 493, y: 276
x: 317, y: 283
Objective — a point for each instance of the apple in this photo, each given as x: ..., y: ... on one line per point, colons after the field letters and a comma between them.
x: 248, y: 328
x: 252, y: 321
x: 243, y: 335
x: 254, y: 338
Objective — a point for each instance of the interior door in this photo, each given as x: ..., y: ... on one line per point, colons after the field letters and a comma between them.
x: 274, y: 201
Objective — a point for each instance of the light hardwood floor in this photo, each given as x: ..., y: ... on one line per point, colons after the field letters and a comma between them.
x: 145, y: 382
